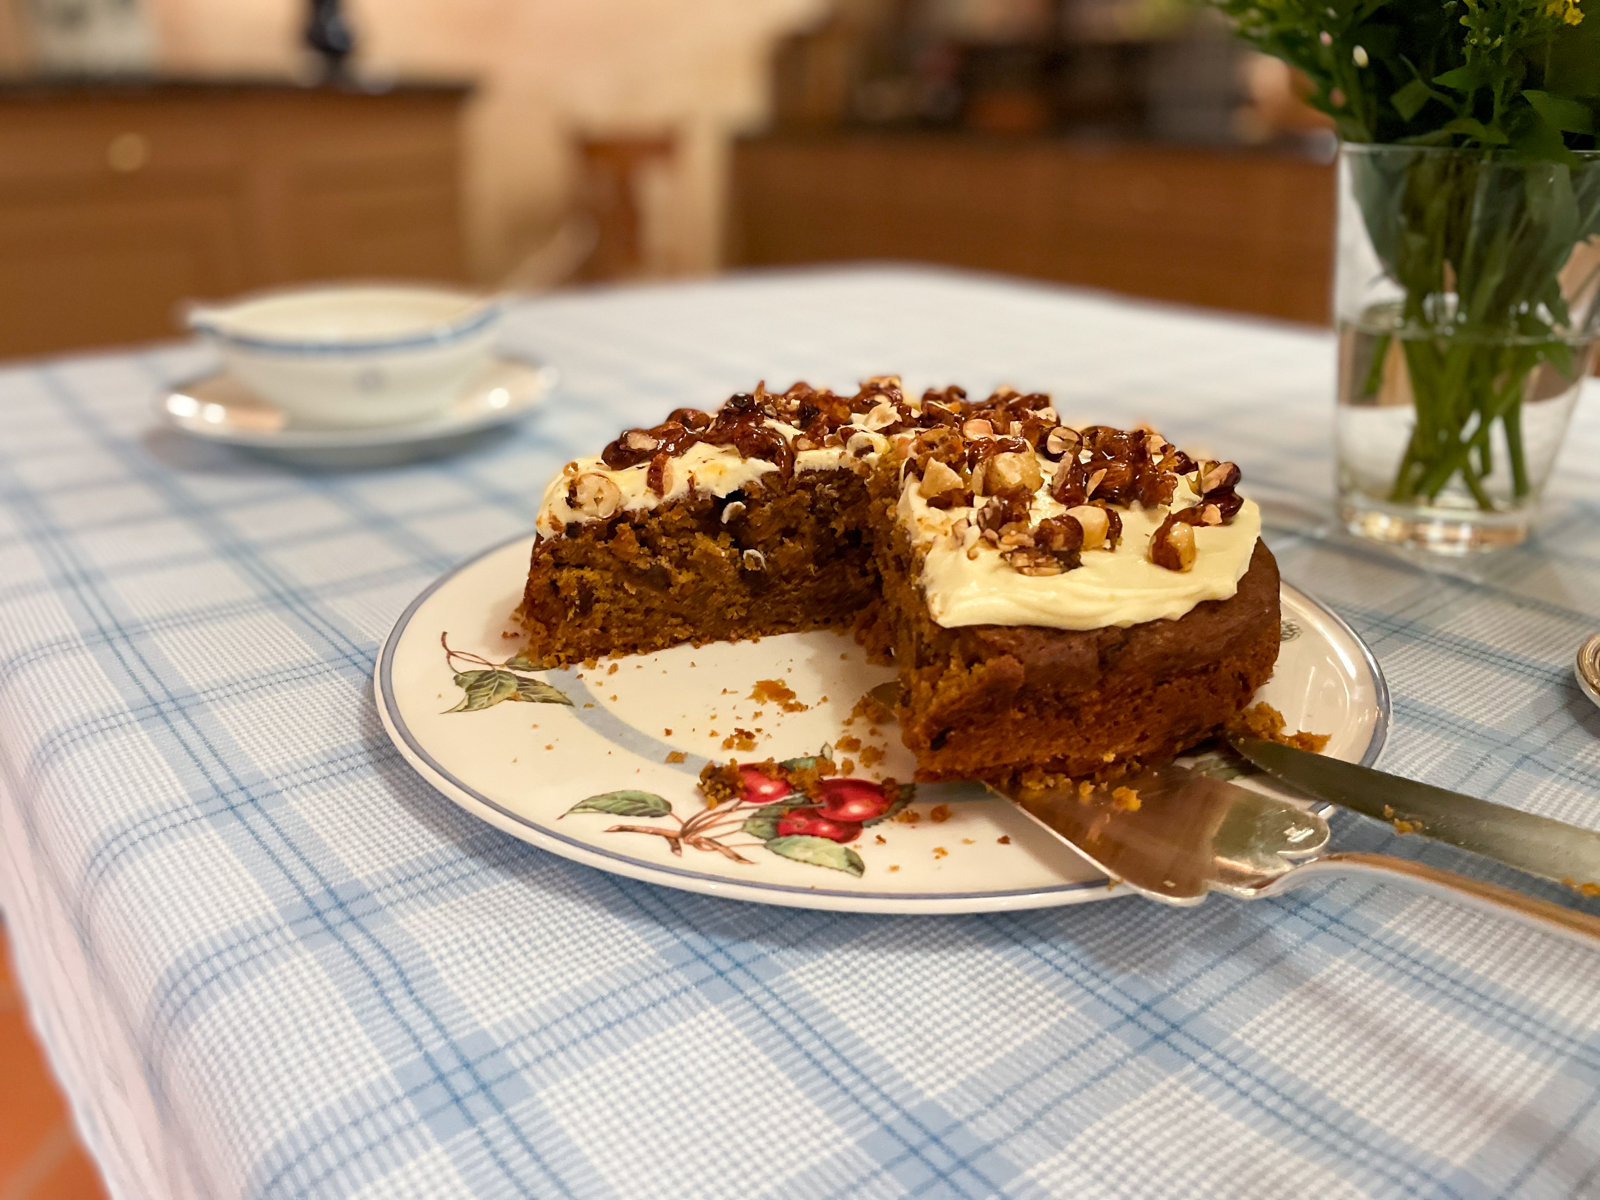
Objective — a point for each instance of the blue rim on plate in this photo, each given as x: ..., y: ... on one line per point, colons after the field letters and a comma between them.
x: 650, y: 871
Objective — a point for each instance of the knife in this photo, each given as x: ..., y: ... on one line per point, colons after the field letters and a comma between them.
x: 1538, y: 845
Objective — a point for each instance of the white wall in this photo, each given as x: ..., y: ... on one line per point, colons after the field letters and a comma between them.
x: 546, y: 68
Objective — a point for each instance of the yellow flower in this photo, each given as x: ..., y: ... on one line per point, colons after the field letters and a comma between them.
x: 1566, y: 10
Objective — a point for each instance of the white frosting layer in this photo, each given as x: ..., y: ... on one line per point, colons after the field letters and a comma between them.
x: 965, y: 581
x: 711, y: 470
x: 1119, y: 587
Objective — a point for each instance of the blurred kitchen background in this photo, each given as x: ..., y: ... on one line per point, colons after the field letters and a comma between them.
x: 153, y: 151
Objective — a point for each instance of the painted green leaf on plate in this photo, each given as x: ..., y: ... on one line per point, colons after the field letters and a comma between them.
x: 523, y: 663
x: 763, y: 823
x: 484, y: 689
x: 537, y: 691
x: 819, y: 852
x: 624, y: 804
x: 907, y: 791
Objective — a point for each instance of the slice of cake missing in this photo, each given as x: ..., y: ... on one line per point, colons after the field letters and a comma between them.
x: 1055, y: 599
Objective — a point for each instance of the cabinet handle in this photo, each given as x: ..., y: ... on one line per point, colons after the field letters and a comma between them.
x: 127, y: 153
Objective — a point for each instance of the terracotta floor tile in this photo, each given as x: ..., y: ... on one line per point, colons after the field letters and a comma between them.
x: 40, y: 1158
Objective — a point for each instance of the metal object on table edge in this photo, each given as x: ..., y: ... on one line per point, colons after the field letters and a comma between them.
x: 1192, y: 833
x: 1587, y: 667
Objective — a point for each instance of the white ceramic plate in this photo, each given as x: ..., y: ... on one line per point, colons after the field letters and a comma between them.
x: 218, y: 408
x: 579, y: 761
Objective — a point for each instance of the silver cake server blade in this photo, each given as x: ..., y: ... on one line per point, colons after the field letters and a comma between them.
x: 1178, y: 833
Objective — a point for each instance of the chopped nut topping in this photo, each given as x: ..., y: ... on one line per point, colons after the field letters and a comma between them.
x: 882, y: 415
x: 594, y: 495
x: 1032, y: 561
x: 732, y: 511
x: 754, y: 560
x: 938, y: 478
x: 638, y: 439
x: 1006, y: 473
x: 1172, y: 545
x: 1061, y: 440
x: 1216, y: 476
x: 977, y: 428
x: 1094, y: 522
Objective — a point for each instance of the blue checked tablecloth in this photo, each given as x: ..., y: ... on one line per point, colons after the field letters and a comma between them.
x: 268, y: 961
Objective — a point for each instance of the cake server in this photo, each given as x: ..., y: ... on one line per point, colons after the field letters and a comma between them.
x: 1178, y: 833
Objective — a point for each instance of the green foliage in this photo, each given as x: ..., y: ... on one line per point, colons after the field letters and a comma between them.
x: 1523, y: 75
x: 1476, y: 240
x: 624, y: 804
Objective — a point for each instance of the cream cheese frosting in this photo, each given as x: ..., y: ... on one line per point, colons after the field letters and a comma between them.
x: 1119, y: 587
x: 965, y: 580
x: 711, y: 470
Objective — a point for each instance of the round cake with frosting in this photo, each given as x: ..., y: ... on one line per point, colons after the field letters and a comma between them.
x: 1055, y: 598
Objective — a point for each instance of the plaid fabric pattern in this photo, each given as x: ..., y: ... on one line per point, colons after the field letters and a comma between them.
x: 269, y: 962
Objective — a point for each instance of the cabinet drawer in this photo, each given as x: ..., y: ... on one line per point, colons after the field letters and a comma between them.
x: 87, y: 143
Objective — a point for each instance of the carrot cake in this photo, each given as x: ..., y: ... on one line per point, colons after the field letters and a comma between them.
x: 1055, y: 598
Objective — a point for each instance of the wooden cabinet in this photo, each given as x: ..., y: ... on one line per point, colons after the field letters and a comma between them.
x: 1244, y: 230
x: 119, y: 203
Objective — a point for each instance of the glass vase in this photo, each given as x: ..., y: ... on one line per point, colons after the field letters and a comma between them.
x: 1465, y: 300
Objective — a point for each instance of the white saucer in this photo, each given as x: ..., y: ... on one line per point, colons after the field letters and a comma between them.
x: 218, y: 408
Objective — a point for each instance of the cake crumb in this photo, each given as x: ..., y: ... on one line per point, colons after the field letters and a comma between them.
x: 1267, y: 723
x: 871, y: 710
x: 666, y: 733
x: 775, y: 691
x: 1004, y: 839
x: 908, y: 816
x: 871, y: 756
x: 939, y: 814
x: 739, y: 739
x: 613, y: 669
x: 1125, y: 798
x: 847, y: 767
x: 880, y: 839
x: 551, y: 746
x: 940, y: 852
x: 1085, y: 790
x: 891, y: 868
x: 1403, y: 826
x: 848, y: 742
x: 675, y: 756
x: 1586, y: 889
x: 968, y: 842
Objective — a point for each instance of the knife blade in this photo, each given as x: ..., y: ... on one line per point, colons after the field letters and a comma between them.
x: 1538, y: 845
